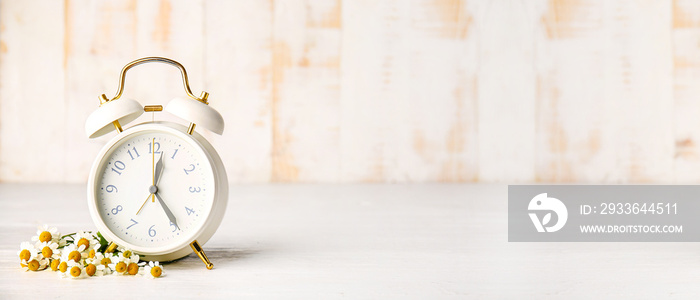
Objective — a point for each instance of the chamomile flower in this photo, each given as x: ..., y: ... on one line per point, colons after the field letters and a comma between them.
x: 63, y: 267
x: 92, y: 254
x: 27, y: 252
x: 86, y: 239
x: 128, y: 256
x: 36, y: 264
x: 46, y: 234
x: 105, y: 259
x: 55, y: 264
x: 153, y: 270
x: 118, y: 265
x: 95, y: 269
x: 132, y: 268
x: 95, y: 256
x: 78, y: 255
x: 73, y: 253
x: 49, y: 250
x: 75, y: 271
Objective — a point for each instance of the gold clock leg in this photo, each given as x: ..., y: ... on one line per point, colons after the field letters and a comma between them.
x: 198, y: 249
x: 117, y: 126
x: 191, y: 128
x: 112, y: 246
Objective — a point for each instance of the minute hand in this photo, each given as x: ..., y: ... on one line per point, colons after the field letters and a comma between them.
x: 159, y: 170
x: 167, y: 210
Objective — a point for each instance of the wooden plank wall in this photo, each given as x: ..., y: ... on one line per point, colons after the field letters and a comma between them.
x: 370, y: 91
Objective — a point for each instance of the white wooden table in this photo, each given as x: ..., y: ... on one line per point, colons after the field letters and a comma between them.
x: 355, y: 241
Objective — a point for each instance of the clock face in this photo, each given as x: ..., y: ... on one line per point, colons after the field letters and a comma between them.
x: 149, y: 212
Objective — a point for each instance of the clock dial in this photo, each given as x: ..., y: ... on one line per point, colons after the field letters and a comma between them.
x: 152, y: 212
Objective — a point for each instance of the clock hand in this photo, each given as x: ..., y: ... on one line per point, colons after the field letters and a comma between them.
x: 167, y: 210
x: 151, y: 194
x: 153, y: 166
x: 159, y: 169
x: 144, y: 203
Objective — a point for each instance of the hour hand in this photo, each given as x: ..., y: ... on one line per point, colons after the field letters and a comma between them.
x: 167, y: 211
x: 159, y: 170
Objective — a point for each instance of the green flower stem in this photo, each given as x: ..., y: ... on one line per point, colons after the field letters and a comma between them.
x: 69, y: 235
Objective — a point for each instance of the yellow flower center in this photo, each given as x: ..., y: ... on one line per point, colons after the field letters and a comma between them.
x: 105, y: 261
x: 75, y: 256
x: 91, y: 254
x: 133, y: 269
x: 156, y: 271
x: 90, y: 270
x: 75, y: 271
x: 54, y: 264
x: 47, y: 252
x: 33, y: 265
x: 127, y: 254
x: 25, y: 254
x: 63, y: 267
x: 120, y: 267
x: 84, y: 242
x: 45, y: 236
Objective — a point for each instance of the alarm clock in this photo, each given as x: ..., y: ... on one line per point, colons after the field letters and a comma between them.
x: 158, y: 188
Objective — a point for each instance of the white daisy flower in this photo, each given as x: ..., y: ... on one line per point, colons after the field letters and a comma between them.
x: 128, y: 256
x: 55, y: 264
x: 105, y: 260
x: 49, y: 250
x: 92, y: 254
x: 153, y: 270
x: 90, y: 269
x: 95, y: 256
x: 46, y: 234
x: 27, y: 252
x: 73, y: 253
x: 75, y: 271
x: 36, y: 264
x: 118, y: 265
x: 86, y: 239
x: 62, y: 269
x: 95, y: 269
x: 133, y: 268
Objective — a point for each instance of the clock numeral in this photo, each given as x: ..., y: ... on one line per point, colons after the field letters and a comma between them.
x: 120, y: 166
x: 117, y: 209
x: 151, y: 231
x: 132, y: 156
x: 157, y: 147
x: 189, y: 210
x: 132, y: 220
x: 173, y: 157
x: 187, y: 172
x: 195, y: 189
x: 173, y: 225
x: 110, y: 188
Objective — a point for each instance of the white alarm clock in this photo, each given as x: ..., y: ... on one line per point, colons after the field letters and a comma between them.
x: 158, y: 188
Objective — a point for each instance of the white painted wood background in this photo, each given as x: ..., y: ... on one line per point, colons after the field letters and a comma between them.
x: 371, y: 91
